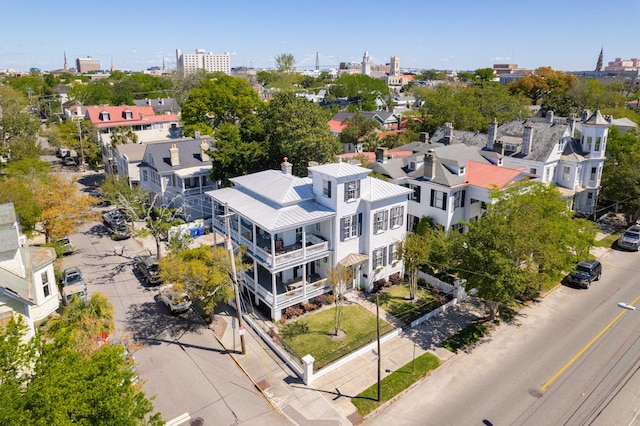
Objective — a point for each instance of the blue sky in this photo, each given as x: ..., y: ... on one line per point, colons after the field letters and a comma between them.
x: 460, y: 35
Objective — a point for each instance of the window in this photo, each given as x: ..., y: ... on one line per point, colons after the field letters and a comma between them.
x: 438, y: 199
x: 533, y: 171
x: 127, y: 115
x: 326, y: 188
x: 565, y: 172
x: 393, y: 252
x: 597, y: 147
x: 590, y: 199
x: 397, y: 214
x: 45, y: 284
x: 379, y: 257
x: 380, y: 221
x: 594, y: 171
x: 589, y: 141
x: 458, y: 198
x: 352, y: 190
x: 457, y: 227
x: 145, y: 175
x: 351, y: 226
x: 415, y: 196
x: 104, y: 116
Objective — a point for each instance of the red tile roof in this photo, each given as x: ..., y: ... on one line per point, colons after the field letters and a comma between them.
x: 336, y: 125
x: 139, y: 116
x: 488, y: 175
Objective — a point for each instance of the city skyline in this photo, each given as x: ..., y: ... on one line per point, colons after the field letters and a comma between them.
x: 464, y: 35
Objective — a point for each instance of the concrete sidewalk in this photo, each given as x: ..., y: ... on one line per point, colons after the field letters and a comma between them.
x: 327, y: 401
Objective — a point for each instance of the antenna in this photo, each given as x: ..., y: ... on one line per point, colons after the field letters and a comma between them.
x: 317, y: 62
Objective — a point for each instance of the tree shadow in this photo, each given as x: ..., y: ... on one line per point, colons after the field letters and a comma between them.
x: 152, y: 323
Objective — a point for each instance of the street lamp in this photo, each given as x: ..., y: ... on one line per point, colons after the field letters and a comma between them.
x: 627, y: 306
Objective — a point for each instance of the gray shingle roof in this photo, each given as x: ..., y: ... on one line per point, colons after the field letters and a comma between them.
x: 188, y: 151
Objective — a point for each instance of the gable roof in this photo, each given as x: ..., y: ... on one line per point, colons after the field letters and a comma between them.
x: 275, y: 186
x: 139, y: 116
x: 597, y: 119
x: 488, y: 175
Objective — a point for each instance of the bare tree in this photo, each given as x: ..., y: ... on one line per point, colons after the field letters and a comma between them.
x: 337, y: 278
x: 285, y: 62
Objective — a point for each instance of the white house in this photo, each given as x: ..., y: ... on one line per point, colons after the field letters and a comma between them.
x: 296, y: 229
x: 176, y: 174
x: 27, y: 281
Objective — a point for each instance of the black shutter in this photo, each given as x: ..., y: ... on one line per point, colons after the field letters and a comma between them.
x: 346, y: 191
x: 433, y: 197
x: 401, y: 216
x: 444, y: 200
x: 329, y: 191
x: 384, y: 256
x: 359, y: 224
x: 357, y: 189
x: 342, y: 229
x: 417, y: 193
x: 464, y: 195
x: 390, y: 253
x: 385, y: 218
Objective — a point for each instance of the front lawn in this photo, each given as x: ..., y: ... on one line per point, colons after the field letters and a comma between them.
x: 395, y: 383
x: 395, y: 300
x: 466, y: 337
x: 358, y: 324
x: 608, y: 241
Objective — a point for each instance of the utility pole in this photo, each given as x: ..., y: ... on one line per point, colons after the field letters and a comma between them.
x: 234, y: 279
x: 378, y: 337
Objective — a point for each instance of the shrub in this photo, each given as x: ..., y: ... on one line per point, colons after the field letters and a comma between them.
x: 422, y: 282
x: 293, y: 311
x: 308, y: 307
x: 330, y: 299
x: 320, y: 300
x: 378, y: 284
x: 395, y: 278
x: 294, y: 329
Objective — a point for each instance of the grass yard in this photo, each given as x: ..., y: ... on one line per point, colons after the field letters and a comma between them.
x: 395, y: 383
x: 358, y: 324
x: 466, y: 337
x: 608, y: 241
x: 395, y: 300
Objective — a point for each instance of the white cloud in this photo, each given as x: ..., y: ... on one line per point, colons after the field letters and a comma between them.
x: 133, y: 51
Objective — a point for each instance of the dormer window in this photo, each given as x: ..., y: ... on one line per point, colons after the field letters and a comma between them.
x: 511, y: 147
x: 412, y: 165
x: 104, y: 116
x: 352, y: 190
x: 127, y: 114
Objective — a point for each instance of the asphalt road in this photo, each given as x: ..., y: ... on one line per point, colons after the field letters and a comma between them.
x: 181, y: 364
x: 571, y: 359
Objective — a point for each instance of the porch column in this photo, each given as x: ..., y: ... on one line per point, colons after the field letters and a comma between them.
x: 304, y: 275
x: 255, y: 283
x: 274, y: 291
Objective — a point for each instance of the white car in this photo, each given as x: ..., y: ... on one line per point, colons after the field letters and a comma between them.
x: 177, y: 301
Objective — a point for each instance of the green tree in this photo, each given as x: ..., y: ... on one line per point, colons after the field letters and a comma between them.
x: 361, y: 90
x: 485, y: 74
x: 224, y: 99
x: 123, y: 135
x: 358, y: 126
x: 234, y: 156
x: 52, y: 383
x: 297, y: 129
x: 203, y: 272
x: 542, y: 82
x: 621, y: 183
x: 83, y: 322
x: 285, y: 62
x: 18, y: 128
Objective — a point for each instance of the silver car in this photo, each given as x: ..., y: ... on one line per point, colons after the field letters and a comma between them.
x: 176, y: 301
x: 630, y: 240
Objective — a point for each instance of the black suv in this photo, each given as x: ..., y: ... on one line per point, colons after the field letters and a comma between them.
x: 147, y: 266
x: 584, y: 273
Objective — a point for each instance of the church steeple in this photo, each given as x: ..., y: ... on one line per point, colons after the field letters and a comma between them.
x: 600, y: 61
x: 66, y: 65
x: 113, y: 65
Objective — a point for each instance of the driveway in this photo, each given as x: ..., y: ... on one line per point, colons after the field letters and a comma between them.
x: 181, y: 364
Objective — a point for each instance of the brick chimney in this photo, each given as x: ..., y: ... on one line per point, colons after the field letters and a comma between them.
x: 572, y: 124
x: 498, y: 147
x: 381, y: 155
x: 527, y: 140
x: 448, y: 133
x: 286, y: 166
x: 204, y: 148
x: 429, y: 165
x: 174, y: 156
x: 492, y: 134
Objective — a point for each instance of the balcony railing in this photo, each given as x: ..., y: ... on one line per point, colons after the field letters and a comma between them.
x: 290, y: 253
x: 290, y: 297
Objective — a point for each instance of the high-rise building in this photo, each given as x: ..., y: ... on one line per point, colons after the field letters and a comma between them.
x: 87, y: 64
x: 189, y: 62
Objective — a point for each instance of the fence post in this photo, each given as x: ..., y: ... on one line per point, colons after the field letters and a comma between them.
x: 307, y: 362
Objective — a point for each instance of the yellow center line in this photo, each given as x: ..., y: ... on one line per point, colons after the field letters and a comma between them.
x: 587, y: 346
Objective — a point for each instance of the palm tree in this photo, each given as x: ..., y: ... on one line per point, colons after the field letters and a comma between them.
x: 337, y: 278
x: 83, y: 322
x: 123, y: 135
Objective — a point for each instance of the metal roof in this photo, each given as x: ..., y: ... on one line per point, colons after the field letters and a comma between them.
x: 278, y: 187
x: 269, y: 216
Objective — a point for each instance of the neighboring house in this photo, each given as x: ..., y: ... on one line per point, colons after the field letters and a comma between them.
x: 176, y: 174
x: 295, y: 230
x: 126, y: 159
x: 74, y: 110
x: 27, y: 281
x: 449, y: 183
x: 389, y: 122
x: 160, y: 105
x: 623, y: 124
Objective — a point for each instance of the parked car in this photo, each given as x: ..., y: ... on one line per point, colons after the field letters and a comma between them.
x: 69, y: 161
x: 74, y: 290
x: 64, y: 246
x: 72, y: 276
x: 147, y: 266
x: 62, y: 152
x: 630, y: 240
x: 116, y: 222
x: 584, y: 273
x: 176, y: 301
